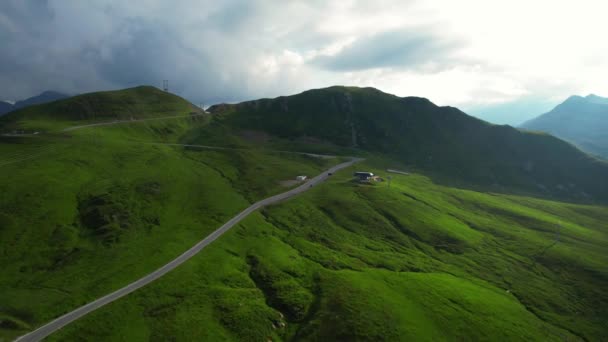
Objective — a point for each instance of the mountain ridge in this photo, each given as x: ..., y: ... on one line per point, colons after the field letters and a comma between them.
x: 44, y: 97
x: 597, y: 99
x: 85, y: 212
x: 131, y: 103
x: 444, y: 142
x: 441, y: 140
x: 582, y: 121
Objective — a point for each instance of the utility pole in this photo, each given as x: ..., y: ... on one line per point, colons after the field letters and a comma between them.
x: 166, y: 85
x: 389, y: 180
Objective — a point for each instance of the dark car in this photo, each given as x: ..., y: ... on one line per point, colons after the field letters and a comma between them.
x: 329, y: 174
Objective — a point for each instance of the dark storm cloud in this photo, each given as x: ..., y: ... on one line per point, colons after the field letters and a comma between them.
x: 75, y: 47
x: 144, y: 55
x: 209, y: 51
x: 401, y: 49
x: 149, y: 51
x: 19, y: 49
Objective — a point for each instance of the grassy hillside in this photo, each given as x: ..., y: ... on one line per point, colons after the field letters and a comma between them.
x: 84, y: 213
x: 134, y: 103
x: 416, y: 261
x: 580, y: 120
x: 442, y: 141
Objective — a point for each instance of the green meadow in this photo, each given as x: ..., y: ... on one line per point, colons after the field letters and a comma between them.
x: 413, y: 261
x: 87, y: 212
x: 427, y: 256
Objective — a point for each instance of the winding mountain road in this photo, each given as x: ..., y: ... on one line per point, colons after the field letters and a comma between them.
x: 208, y: 147
x: 66, y: 319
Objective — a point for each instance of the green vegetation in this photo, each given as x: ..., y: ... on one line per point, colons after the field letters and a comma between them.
x: 87, y: 211
x: 440, y: 141
x: 134, y: 103
x: 367, y: 262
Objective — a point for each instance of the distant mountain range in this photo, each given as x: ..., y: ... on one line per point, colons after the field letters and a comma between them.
x: 47, y: 96
x: 5, y: 107
x: 582, y: 121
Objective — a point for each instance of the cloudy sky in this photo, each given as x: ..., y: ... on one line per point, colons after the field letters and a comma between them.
x: 502, y: 60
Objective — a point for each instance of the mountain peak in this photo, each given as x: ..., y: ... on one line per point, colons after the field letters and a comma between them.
x: 578, y: 103
x: 136, y: 102
x: 596, y: 99
x: 441, y: 140
x: 44, y: 97
x: 580, y: 120
x: 591, y: 98
x: 574, y: 99
x: 348, y: 89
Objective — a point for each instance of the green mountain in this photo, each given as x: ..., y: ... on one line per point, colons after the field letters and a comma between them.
x: 86, y: 211
x: 580, y: 120
x: 440, y: 140
x: 134, y: 103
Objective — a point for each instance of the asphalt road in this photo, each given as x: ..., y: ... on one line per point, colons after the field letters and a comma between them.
x: 115, y: 122
x: 66, y: 319
x: 315, y: 155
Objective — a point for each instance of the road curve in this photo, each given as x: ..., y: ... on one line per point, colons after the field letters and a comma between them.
x: 66, y: 319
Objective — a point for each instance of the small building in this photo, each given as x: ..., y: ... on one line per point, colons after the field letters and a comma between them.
x: 301, y: 178
x: 364, y: 176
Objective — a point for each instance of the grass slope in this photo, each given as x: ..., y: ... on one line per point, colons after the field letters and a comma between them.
x: 416, y: 261
x: 85, y: 212
x: 134, y: 103
x: 442, y: 141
